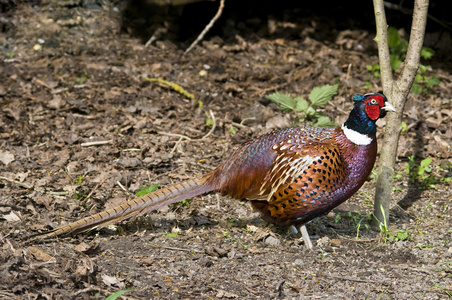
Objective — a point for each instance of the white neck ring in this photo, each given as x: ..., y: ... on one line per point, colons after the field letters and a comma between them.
x: 356, y: 137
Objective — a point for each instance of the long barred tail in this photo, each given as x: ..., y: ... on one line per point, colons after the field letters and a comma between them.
x: 136, y: 207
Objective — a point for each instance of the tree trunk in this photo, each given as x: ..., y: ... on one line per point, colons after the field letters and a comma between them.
x: 396, y: 92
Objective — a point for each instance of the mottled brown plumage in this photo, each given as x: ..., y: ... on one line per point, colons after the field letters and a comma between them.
x: 290, y: 176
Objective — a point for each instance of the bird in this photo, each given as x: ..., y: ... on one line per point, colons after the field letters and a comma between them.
x: 290, y: 176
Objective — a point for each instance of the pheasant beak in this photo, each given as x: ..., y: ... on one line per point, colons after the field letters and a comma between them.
x: 389, y: 107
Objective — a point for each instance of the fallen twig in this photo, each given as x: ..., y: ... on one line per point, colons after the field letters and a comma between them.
x: 92, y: 191
x: 122, y: 187
x: 96, y: 143
x: 201, y: 35
x: 174, y: 135
x: 27, y: 186
x: 176, y: 145
x: 181, y: 136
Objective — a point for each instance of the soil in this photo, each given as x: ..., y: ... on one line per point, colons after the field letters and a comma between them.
x: 72, y: 75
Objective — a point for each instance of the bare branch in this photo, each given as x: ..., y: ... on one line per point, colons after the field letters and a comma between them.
x: 383, y: 48
x: 415, y: 46
x: 201, y: 35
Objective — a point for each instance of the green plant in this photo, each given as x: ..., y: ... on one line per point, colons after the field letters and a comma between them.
x: 422, y: 80
x: 185, y: 203
x: 307, y: 110
x: 398, y: 175
x: 78, y: 196
x: 356, y: 219
x: 389, y: 233
x: 374, y: 69
x: 209, y: 122
x: 79, y: 180
x: 421, y: 173
x: 423, y: 246
x: 404, y: 127
x: 83, y: 78
x: 117, y: 294
x: 398, y: 47
x: 144, y: 190
x: 172, y: 234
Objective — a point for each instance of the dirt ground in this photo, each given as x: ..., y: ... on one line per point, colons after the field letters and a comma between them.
x: 71, y: 74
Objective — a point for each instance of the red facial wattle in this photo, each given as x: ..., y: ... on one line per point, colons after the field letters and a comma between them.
x: 373, y: 106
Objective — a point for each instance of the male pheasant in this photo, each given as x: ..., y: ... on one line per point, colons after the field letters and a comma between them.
x: 290, y: 176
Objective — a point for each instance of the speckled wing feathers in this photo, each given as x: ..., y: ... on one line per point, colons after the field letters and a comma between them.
x: 312, y: 191
x: 291, y: 160
x: 254, y: 175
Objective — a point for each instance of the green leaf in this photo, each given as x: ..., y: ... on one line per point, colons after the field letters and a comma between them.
x: 368, y: 85
x: 416, y: 88
x: 433, y: 81
x: 393, y: 37
x: 117, y: 294
x: 324, y: 121
x: 311, y: 112
x: 427, y: 53
x: 420, y: 170
x: 402, y: 235
x: 144, y: 190
x: 423, y: 69
x: 302, y: 105
x: 418, y: 78
x: 425, y: 162
x: 185, y: 202
x: 404, y: 127
x: 285, y: 102
x: 79, y: 180
x: 81, y: 79
x: 77, y: 196
x: 395, y: 62
x: 172, y: 235
x: 320, y: 95
x: 403, y: 47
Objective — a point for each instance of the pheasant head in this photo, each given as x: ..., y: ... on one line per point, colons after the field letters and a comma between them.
x: 360, y: 126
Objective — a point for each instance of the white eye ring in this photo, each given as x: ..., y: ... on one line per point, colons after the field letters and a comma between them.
x: 373, y: 101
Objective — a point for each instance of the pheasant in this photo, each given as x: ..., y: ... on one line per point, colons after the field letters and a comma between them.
x: 290, y: 175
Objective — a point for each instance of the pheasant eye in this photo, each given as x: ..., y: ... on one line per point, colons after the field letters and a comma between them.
x: 373, y: 101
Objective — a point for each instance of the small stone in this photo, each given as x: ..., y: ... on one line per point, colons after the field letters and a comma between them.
x: 335, y: 243
x: 272, y: 241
